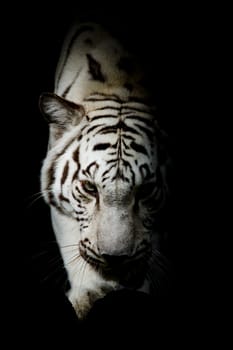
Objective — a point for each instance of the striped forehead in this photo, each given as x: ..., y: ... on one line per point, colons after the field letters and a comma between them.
x: 118, y: 141
x: 105, y: 166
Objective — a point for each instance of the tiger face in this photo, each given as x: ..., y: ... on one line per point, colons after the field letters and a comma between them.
x: 114, y: 204
x: 103, y: 182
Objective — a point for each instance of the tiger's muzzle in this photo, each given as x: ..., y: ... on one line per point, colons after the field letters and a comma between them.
x: 129, y: 271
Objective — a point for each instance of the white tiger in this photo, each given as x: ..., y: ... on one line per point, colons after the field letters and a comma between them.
x: 102, y: 176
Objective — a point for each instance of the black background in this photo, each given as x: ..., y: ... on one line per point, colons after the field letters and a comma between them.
x: 175, y: 41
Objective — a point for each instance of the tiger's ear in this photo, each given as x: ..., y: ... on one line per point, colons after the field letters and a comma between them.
x: 59, y: 111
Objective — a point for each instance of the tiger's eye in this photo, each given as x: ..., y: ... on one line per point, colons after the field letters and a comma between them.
x: 89, y: 187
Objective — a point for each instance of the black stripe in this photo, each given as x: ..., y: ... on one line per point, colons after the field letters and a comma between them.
x: 79, y: 212
x: 121, y: 125
x: 65, y: 148
x: 147, y: 174
x: 127, y: 154
x: 138, y: 148
x: 94, y: 127
x: 126, y: 164
x: 105, y: 178
x: 132, y: 174
x: 108, y: 170
x: 104, y: 116
x: 51, y: 170
x: 87, y: 170
x: 119, y: 173
x: 95, y: 69
x: 70, y: 85
x: 125, y: 145
x: 65, y: 173
x: 75, y: 36
x: 92, y: 251
x: 63, y: 198
x: 148, y: 132
x: 81, y: 219
x: 50, y: 178
x: 129, y: 137
x: 147, y: 122
x: 94, y: 99
x: 101, y: 146
x: 108, y: 107
x: 55, y: 205
x: 75, y: 176
x: 75, y: 196
x: 75, y: 155
x: 112, y: 161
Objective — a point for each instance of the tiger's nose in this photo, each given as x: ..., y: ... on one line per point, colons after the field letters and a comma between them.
x: 115, y: 260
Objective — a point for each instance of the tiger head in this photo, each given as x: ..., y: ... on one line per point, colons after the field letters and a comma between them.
x: 104, y: 181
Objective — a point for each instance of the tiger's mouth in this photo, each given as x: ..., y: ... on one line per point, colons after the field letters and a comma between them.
x: 129, y: 272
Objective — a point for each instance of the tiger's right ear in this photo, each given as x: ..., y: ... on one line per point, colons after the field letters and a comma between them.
x: 59, y: 111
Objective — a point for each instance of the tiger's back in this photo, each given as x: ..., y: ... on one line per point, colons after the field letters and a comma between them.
x: 92, y: 60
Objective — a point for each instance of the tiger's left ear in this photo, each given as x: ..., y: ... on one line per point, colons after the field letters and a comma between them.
x: 59, y: 111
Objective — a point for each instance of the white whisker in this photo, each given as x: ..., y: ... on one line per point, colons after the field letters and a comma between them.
x: 73, y: 259
x: 36, y: 196
x: 81, y: 273
x: 70, y: 248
